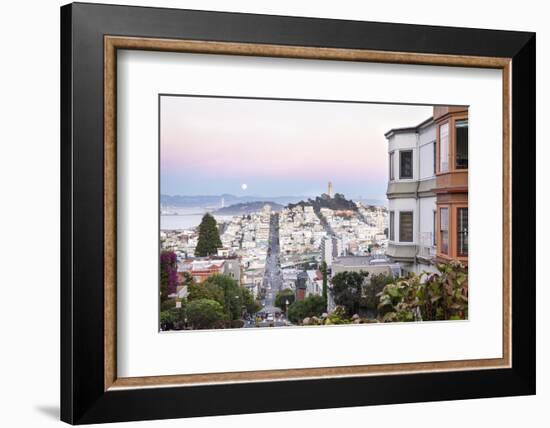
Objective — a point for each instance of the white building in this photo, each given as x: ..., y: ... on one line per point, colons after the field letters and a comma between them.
x: 411, y: 197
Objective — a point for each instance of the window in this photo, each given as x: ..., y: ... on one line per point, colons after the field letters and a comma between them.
x: 444, y: 230
x: 406, y: 226
x: 444, y: 148
x: 392, y: 227
x: 435, y: 157
x: 406, y: 164
x: 461, y: 144
x: 392, y: 175
x: 434, y: 227
x: 462, y: 232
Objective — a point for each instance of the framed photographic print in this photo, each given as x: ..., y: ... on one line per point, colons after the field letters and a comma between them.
x: 275, y: 206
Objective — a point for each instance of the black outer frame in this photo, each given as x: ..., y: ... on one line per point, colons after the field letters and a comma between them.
x: 83, y: 399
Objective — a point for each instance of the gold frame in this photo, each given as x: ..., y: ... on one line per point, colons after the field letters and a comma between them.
x: 112, y: 43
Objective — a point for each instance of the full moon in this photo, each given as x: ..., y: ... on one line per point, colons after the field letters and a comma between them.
x: 243, y: 186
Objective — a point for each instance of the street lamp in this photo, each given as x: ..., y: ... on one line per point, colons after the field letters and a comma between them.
x: 286, y: 308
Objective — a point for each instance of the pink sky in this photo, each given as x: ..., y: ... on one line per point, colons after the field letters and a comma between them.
x: 278, y: 148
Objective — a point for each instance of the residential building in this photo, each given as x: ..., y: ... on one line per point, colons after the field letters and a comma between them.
x: 428, y: 191
x: 452, y: 183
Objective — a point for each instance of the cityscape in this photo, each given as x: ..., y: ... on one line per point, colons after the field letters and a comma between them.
x: 299, y: 258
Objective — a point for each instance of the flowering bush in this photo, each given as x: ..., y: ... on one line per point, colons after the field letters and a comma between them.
x: 168, y: 273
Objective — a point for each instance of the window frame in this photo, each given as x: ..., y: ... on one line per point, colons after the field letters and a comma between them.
x: 401, y: 176
x: 392, y: 165
x: 458, y: 232
x: 411, y: 212
x: 439, y: 157
x: 456, y: 121
x: 391, y: 231
x: 440, y: 231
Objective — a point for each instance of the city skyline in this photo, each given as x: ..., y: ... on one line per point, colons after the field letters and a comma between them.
x: 273, y: 148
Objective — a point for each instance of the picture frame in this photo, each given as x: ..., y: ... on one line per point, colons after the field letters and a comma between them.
x: 91, y: 35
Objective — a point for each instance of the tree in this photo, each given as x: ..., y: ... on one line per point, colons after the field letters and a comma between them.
x: 209, y: 237
x: 168, y: 274
x: 282, y: 297
x: 204, y: 313
x: 312, y: 306
x: 232, y: 294
x: 324, y: 271
x: 374, y: 286
x: 172, y: 319
x: 251, y: 305
x: 206, y: 290
x: 347, y: 290
x: 442, y: 296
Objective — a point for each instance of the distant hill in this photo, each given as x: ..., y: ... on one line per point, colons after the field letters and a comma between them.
x: 337, y: 203
x: 214, y: 201
x: 245, y: 208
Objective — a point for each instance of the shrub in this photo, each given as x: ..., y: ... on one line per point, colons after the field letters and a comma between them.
x: 167, y: 305
x: 172, y: 319
x: 309, y: 307
x: 442, y: 296
x: 204, y: 313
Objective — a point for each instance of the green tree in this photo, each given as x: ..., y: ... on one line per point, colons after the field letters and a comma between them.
x: 204, y: 313
x: 206, y: 290
x: 312, y: 306
x: 232, y: 294
x: 324, y: 271
x: 373, y: 288
x: 173, y: 319
x: 282, y: 296
x: 251, y: 305
x: 347, y: 290
x: 209, y: 237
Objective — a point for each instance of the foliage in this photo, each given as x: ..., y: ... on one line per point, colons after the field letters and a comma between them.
x: 338, y: 316
x: 374, y: 286
x: 347, y: 290
x: 251, y: 306
x: 173, y: 319
x: 309, y: 307
x: 167, y: 304
x: 168, y: 274
x: 324, y: 271
x: 232, y: 294
x: 206, y: 290
x: 442, y: 296
x: 209, y: 237
x: 204, y: 313
x: 282, y: 297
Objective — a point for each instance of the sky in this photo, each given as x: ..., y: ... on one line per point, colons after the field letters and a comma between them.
x: 210, y: 146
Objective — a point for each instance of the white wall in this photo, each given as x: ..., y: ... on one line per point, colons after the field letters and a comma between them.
x: 427, y: 207
x: 29, y: 167
x: 426, y: 160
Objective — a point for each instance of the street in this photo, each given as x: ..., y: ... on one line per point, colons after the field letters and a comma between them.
x: 273, y: 280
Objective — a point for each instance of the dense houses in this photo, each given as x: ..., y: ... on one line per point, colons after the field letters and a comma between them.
x: 300, y: 231
x: 356, y: 233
